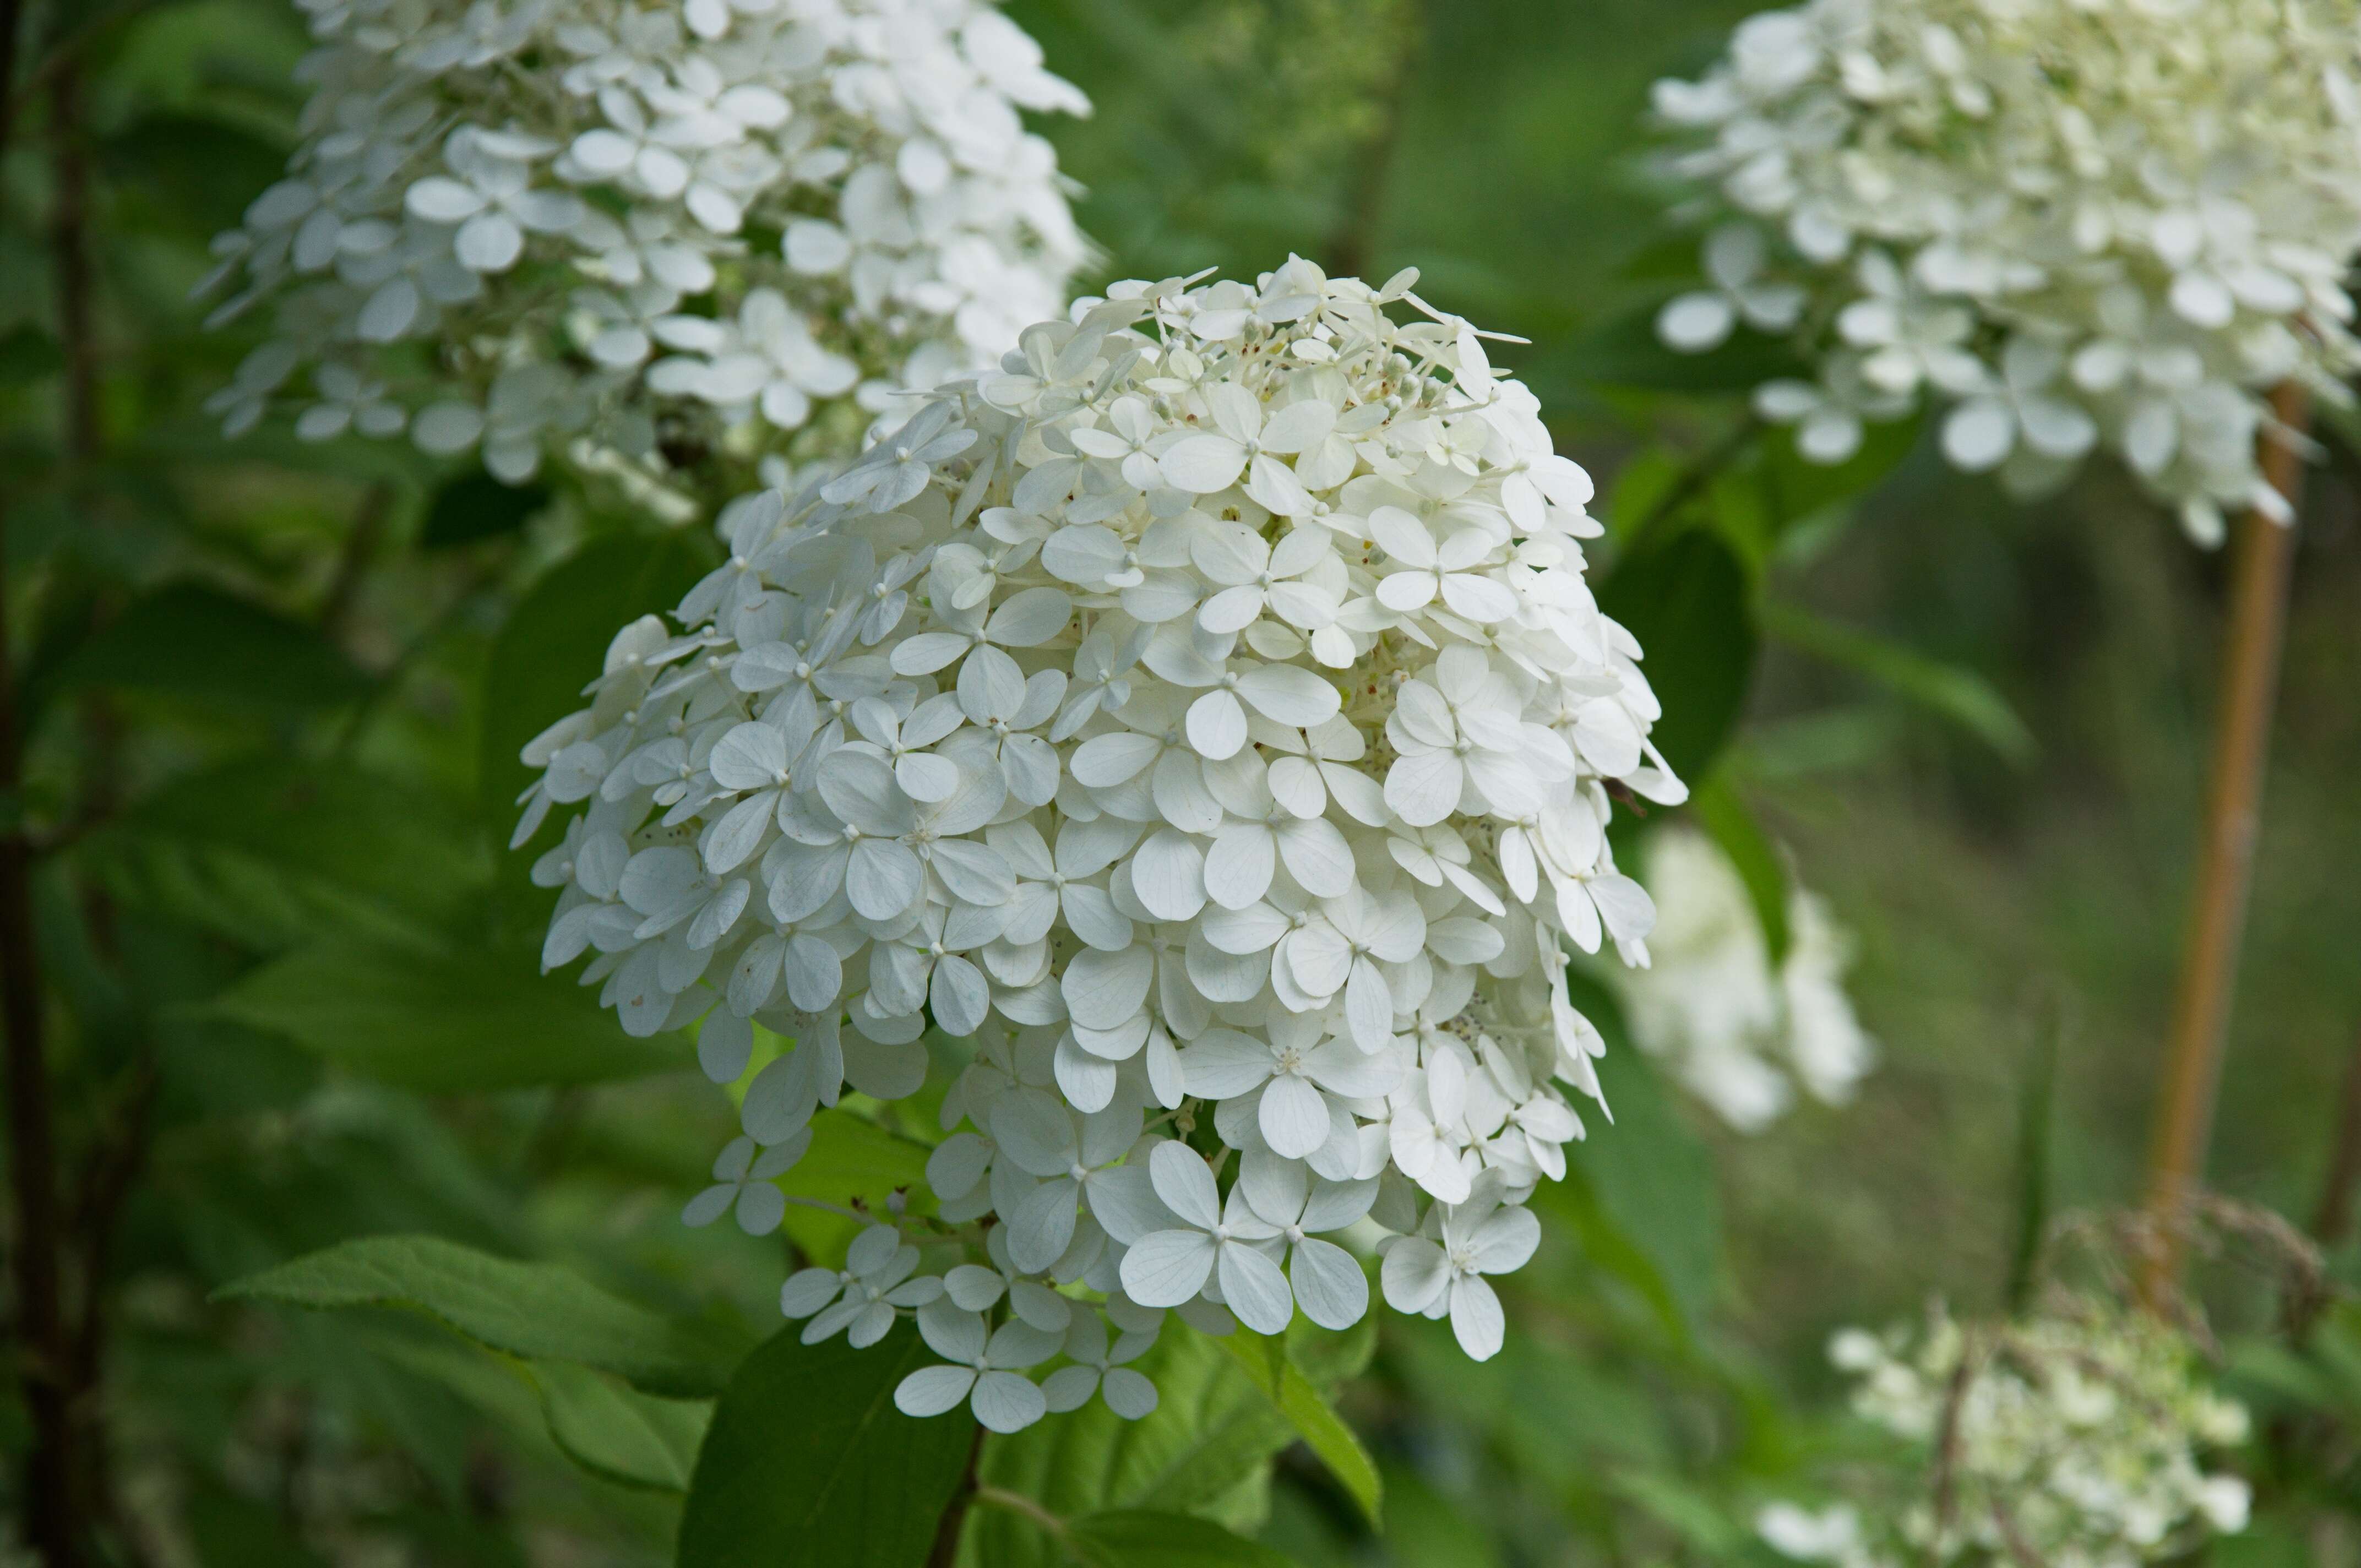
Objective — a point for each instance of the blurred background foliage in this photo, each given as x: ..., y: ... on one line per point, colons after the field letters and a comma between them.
x: 273, y: 693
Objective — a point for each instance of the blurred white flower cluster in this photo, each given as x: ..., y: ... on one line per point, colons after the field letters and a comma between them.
x: 648, y: 228
x: 1203, y: 717
x: 2074, y: 223
x: 2075, y: 1438
x: 1738, y: 1032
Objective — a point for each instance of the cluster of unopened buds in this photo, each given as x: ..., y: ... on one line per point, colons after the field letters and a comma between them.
x: 1201, y: 725
x: 2077, y: 1436
x: 2072, y: 223
x: 638, y: 230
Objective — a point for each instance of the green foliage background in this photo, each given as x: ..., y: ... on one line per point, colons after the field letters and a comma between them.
x: 273, y: 694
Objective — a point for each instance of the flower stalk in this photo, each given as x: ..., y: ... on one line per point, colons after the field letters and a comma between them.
x: 2201, y: 999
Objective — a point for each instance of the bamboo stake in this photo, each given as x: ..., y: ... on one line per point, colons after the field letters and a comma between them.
x: 2209, y: 959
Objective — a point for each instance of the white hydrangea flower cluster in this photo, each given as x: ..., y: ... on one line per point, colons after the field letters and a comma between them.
x: 2075, y: 1439
x: 1204, y: 718
x: 2075, y: 223
x: 1739, y: 1034
x: 648, y: 228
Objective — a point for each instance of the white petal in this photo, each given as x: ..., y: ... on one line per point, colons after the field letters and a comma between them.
x: 1329, y: 1286
x: 1254, y: 1288
x: 1239, y: 868
x: 1414, y: 1275
x: 1168, y: 873
x: 711, y: 1205
x: 1978, y: 435
x: 1475, y: 1318
x: 1184, y: 1186
x: 932, y: 1390
x: 1505, y: 1242
x: 1203, y: 463
x: 1127, y: 1393
x: 724, y: 1046
x: 1165, y: 1268
x: 1290, y: 695
x: 1007, y: 1402
x: 1293, y: 1117
x: 1695, y: 322
x: 1217, y: 725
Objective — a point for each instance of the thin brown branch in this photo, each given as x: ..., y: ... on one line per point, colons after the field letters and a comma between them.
x: 113, y: 1164
x: 1947, y: 1445
x: 2209, y: 960
x: 945, y: 1550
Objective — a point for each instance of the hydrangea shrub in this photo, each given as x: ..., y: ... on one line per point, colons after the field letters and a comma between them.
x: 1740, y: 1033
x: 2075, y: 224
x: 652, y: 230
x: 2077, y: 1436
x: 1202, y: 718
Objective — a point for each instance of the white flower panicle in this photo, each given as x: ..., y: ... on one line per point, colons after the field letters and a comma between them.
x: 2074, y: 223
x: 2076, y: 1438
x: 1203, y: 717
x: 645, y: 228
x: 1739, y: 1032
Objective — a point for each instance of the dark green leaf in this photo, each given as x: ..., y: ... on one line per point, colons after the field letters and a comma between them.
x: 199, y: 170
x: 196, y: 644
x: 630, y: 1438
x: 1722, y: 814
x: 556, y: 643
x: 1956, y: 693
x: 1210, y: 1436
x: 808, y: 1462
x: 29, y: 354
x: 312, y: 844
x: 537, y: 1311
x: 1625, y: 352
x: 1797, y: 491
x: 1687, y: 598
x: 1265, y: 1362
x: 476, y: 506
x: 444, y: 1021
x: 1140, y: 1538
x: 1642, y: 1190
x: 233, y: 1531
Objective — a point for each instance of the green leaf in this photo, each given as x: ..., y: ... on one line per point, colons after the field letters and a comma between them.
x: 555, y: 642
x: 808, y: 1462
x: 476, y: 506
x: 280, y: 845
x: 2037, y: 1112
x: 537, y: 1311
x: 1625, y: 352
x: 1952, y: 691
x: 615, y: 1432
x: 1198, y: 1451
x: 1143, y: 1538
x: 852, y: 1160
x: 1265, y: 1363
x: 198, y: 644
x: 1687, y: 598
x: 1642, y: 1191
x: 1722, y: 814
x: 469, y: 1019
x: 200, y: 171
x: 29, y: 354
